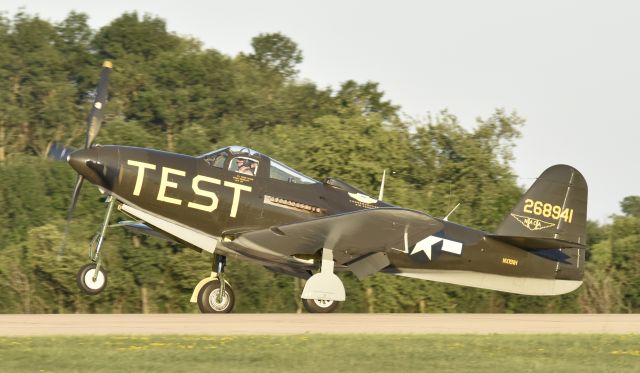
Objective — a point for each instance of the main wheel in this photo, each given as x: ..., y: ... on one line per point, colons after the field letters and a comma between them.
x: 208, y: 298
x: 86, y: 282
x: 320, y: 306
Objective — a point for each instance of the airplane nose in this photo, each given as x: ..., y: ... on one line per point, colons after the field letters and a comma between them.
x: 78, y: 160
x: 99, y: 164
x: 87, y: 163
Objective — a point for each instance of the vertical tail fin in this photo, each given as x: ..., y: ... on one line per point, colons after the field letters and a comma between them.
x: 554, y: 207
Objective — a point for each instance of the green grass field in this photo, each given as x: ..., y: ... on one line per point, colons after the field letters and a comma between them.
x: 324, y: 353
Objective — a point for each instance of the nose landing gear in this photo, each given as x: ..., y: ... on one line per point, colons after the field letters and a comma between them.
x: 91, y: 278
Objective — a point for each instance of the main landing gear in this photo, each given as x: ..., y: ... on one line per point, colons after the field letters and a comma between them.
x: 323, y: 291
x: 319, y: 305
x: 214, y: 294
x: 92, y: 278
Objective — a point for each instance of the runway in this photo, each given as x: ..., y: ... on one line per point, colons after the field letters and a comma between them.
x: 291, y: 324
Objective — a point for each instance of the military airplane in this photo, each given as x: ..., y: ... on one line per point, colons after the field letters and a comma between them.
x: 236, y: 202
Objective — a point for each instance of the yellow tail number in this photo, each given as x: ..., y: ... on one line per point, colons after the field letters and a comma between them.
x: 547, y: 210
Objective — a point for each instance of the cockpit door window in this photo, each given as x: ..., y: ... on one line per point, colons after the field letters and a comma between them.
x: 216, y: 160
x: 244, y: 165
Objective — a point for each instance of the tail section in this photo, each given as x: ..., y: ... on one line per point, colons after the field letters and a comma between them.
x: 554, y: 208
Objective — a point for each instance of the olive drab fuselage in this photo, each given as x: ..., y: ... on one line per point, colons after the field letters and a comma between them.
x: 213, y: 199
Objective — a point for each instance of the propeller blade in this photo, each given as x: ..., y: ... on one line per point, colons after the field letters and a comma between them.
x: 94, y: 121
x: 59, y: 152
x: 72, y: 207
x: 74, y: 196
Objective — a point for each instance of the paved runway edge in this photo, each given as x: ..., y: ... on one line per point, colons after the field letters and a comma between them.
x: 290, y: 324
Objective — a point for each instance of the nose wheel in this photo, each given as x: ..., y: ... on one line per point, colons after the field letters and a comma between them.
x: 91, y: 280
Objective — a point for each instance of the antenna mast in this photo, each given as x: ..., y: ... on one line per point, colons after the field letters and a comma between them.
x: 446, y: 218
x: 384, y: 173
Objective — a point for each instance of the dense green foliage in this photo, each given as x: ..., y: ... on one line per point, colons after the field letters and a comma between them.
x: 169, y: 92
x: 354, y: 353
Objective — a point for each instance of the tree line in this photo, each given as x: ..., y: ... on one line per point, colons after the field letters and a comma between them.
x: 169, y: 92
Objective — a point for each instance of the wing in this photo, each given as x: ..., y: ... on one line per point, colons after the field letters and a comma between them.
x: 350, y: 235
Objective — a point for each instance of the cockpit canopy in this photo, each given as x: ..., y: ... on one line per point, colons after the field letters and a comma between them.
x: 233, y: 150
x: 231, y: 157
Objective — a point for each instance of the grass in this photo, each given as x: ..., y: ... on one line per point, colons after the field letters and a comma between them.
x: 323, y: 353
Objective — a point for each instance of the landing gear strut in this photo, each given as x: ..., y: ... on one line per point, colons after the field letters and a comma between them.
x: 91, y: 278
x: 213, y: 294
x: 323, y: 291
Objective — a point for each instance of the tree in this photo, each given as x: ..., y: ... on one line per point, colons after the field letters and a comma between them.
x: 276, y: 52
x: 39, y: 96
x: 631, y: 206
x: 127, y: 35
x: 74, y: 43
x: 365, y: 99
x: 625, y: 256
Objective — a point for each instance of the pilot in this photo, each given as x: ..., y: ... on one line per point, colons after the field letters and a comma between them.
x: 246, y: 166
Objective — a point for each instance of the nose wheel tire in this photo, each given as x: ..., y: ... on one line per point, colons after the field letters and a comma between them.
x: 210, y: 300
x: 85, y: 279
x: 320, y: 306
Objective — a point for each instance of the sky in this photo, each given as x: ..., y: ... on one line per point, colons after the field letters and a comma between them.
x: 570, y: 68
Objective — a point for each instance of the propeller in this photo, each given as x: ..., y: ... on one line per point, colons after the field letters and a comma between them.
x: 59, y: 152
x: 94, y: 122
